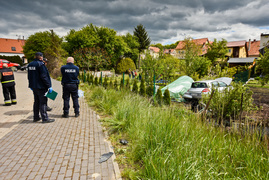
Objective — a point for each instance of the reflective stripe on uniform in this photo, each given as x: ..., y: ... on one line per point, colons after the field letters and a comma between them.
x: 13, y: 100
x: 7, y: 101
x: 8, y: 81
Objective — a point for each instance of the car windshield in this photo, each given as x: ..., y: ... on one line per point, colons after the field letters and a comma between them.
x: 199, y: 85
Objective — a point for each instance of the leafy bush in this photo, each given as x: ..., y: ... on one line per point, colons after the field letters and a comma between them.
x: 226, y: 105
x: 127, y: 83
x: 159, y: 97
x: 135, y: 87
x: 105, y: 82
x: 150, y: 90
x: 96, y: 81
x: 124, y: 65
x: 116, y: 84
x: 142, y: 91
x: 166, y: 97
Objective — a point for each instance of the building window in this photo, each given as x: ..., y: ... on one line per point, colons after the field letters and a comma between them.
x: 13, y: 48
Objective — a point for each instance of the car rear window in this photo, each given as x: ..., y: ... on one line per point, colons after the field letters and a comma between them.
x: 199, y: 85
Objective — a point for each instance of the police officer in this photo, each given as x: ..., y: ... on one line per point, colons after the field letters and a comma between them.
x: 8, y: 85
x: 40, y: 83
x: 70, y: 84
x: 45, y: 61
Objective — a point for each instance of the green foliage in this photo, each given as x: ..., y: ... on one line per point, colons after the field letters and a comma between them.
x: 193, y: 62
x: 142, y: 38
x: 121, y: 84
x: 105, y: 82
x: 173, y: 143
x: 128, y: 84
x: 159, y: 97
x: 166, y: 97
x: 116, y: 85
x: 217, y: 71
x: 263, y: 65
x: 94, y: 58
x: 217, y: 50
x: 37, y: 42
x: 90, y: 78
x: 96, y: 81
x: 226, y: 105
x: 142, y: 90
x: 100, y: 80
x: 104, y: 38
x: 124, y: 65
x: 111, y: 83
x: 135, y: 87
x: 14, y: 59
x: 132, y: 42
x: 171, y: 46
x: 150, y: 90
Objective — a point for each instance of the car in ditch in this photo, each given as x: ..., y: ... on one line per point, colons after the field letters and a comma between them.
x: 204, y: 87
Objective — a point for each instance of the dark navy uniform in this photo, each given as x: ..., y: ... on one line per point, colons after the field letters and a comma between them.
x: 39, y: 81
x: 8, y: 86
x: 70, y: 84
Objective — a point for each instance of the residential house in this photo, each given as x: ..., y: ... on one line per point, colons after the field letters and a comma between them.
x: 154, y: 51
x: 12, y: 47
x: 253, y: 48
x: 202, y: 43
x: 172, y: 52
x: 237, y: 49
x: 264, y: 42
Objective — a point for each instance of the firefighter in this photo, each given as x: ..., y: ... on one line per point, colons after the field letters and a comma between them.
x: 8, y: 85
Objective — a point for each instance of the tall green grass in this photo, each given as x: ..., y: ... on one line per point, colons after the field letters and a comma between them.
x: 172, y: 143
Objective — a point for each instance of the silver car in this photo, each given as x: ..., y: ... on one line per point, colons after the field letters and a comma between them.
x: 204, y: 87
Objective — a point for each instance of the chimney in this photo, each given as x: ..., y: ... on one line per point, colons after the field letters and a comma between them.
x: 249, y: 43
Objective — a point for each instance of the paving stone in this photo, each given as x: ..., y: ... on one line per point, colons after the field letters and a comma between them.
x: 68, y: 148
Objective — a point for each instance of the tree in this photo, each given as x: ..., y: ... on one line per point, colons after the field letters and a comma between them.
x: 195, y: 64
x: 217, y: 50
x: 143, y: 39
x: 263, y: 65
x: 94, y: 58
x: 92, y: 36
x: 124, y: 65
x: 132, y: 43
x: 50, y: 44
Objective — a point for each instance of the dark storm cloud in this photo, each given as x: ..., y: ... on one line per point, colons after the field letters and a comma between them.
x: 163, y: 20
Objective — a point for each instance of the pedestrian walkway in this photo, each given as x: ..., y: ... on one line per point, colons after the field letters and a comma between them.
x: 68, y: 148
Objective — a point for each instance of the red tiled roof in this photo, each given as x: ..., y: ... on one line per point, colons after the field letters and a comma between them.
x: 7, y: 44
x: 181, y: 44
x: 236, y: 44
x: 154, y: 49
x: 254, y: 48
x: 167, y: 51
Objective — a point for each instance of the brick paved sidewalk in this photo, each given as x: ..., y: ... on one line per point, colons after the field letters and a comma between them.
x: 69, y: 148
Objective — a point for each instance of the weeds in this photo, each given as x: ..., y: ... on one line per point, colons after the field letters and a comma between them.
x: 172, y: 143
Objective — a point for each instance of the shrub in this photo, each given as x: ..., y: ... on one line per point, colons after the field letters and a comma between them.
x: 166, y: 97
x: 14, y: 59
x: 135, y: 87
x: 142, y: 91
x: 150, y: 90
x: 111, y: 83
x: 124, y: 65
x: 159, y: 97
x: 226, y: 105
x: 127, y: 84
x: 105, y: 82
x: 121, y: 84
x: 116, y: 84
x: 100, y: 80
x: 96, y: 81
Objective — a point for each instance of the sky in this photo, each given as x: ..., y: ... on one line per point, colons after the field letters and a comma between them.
x: 166, y: 21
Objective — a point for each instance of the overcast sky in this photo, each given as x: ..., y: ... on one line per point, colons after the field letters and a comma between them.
x: 166, y: 21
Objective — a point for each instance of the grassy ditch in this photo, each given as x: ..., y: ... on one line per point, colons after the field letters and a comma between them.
x: 172, y: 142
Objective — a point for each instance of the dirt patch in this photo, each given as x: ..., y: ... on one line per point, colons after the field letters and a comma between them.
x: 261, y: 99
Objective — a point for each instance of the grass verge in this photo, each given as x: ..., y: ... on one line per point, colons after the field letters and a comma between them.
x: 172, y: 142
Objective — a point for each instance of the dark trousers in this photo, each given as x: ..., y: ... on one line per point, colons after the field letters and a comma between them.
x: 9, y: 92
x: 70, y: 90
x: 40, y: 104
